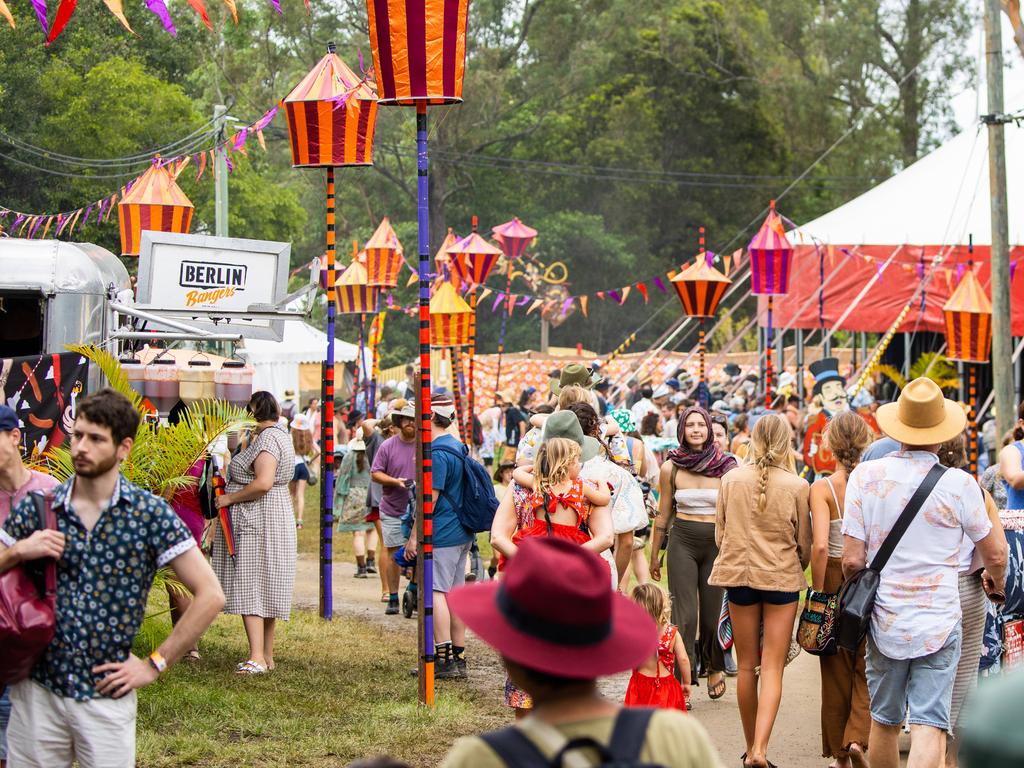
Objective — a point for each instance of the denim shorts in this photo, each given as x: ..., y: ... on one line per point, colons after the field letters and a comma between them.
x: 750, y: 596
x: 5, y: 716
x: 922, y: 686
x: 301, y: 472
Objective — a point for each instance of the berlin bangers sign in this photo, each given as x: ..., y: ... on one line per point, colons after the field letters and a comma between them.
x: 199, y: 276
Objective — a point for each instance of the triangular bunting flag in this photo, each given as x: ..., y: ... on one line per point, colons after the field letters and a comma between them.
x: 625, y: 293
x: 727, y: 260
x: 485, y: 293
x: 583, y: 299
x: 413, y: 279
x: 115, y: 7
x: 600, y: 295
x: 642, y: 287
x: 536, y: 303
x: 660, y: 285
x: 6, y: 13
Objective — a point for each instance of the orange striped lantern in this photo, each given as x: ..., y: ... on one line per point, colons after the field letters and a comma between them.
x: 383, y: 256
x: 449, y: 318
x: 332, y: 116
x: 968, y: 316
x: 473, y: 258
x: 419, y: 50
x: 353, y: 296
x: 155, y: 203
x: 700, y: 287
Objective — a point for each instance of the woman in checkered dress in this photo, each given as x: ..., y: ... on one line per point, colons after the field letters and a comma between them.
x: 258, y: 581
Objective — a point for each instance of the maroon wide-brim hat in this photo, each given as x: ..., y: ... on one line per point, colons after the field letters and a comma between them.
x: 555, y: 612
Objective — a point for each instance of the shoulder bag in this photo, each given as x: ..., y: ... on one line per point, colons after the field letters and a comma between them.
x: 857, y: 596
x: 27, y: 606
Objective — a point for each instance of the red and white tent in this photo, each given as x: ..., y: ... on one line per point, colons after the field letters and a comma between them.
x: 873, y: 252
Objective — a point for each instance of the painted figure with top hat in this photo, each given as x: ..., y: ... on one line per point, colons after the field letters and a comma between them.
x: 830, y: 389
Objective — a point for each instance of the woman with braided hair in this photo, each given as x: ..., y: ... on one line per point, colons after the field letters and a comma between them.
x: 763, y: 532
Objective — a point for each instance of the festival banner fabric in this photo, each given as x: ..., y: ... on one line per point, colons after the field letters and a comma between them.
x: 42, y: 391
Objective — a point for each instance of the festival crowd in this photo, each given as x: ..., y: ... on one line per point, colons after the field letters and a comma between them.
x: 595, y: 492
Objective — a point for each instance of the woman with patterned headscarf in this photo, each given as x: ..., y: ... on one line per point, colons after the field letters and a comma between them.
x: 689, y: 483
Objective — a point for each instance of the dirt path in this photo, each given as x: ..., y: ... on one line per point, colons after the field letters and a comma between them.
x: 796, y: 741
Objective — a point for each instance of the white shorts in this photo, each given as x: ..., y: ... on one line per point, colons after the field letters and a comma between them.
x: 49, y: 731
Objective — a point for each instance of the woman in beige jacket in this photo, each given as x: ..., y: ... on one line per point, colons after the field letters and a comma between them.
x: 763, y: 530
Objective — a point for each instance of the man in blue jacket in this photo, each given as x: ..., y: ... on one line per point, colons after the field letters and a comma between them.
x: 451, y: 541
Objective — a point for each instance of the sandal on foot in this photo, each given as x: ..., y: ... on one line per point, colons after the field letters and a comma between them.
x: 192, y: 656
x: 250, y: 667
x: 717, y: 690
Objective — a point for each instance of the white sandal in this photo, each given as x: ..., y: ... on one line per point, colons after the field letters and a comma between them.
x: 250, y: 667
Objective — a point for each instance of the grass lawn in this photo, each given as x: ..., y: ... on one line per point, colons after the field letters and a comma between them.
x: 341, y: 691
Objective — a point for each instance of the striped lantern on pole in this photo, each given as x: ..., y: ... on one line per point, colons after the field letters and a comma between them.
x: 332, y: 116
x: 331, y: 119
x: 968, y: 315
x: 154, y: 203
x: 473, y: 258
x: 449, y: 318
x: 443, y: 262
x: 419, y: 59
x: 514, y: 237
x: 700, y: 287
x: 419, y: 50
x: 770, y: 256
x: 353, y: 295
x: 383, y: 256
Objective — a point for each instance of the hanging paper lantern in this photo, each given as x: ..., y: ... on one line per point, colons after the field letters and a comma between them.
x: 449, y: 318
x: 514, y: 237
x: 332, y: 116
x: 383, y: 256
x: 155, y: 203
x: 770, y: 257
x: 473, y: 258
x: 419, y: 50
x: 968, y: 321
x: 700, y: 287
x: 353, y: 295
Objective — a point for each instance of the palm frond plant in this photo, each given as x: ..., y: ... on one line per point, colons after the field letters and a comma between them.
x: 160, y: 458
x: 931, y: 365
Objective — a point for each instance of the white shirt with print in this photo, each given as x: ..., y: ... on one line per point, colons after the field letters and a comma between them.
x: 918, y: 601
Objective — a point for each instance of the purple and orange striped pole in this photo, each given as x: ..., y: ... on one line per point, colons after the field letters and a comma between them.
x: 327, y: 433
x: 424, y: 489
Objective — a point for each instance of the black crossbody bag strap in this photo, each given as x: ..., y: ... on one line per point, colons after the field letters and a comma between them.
x: 907, y: 517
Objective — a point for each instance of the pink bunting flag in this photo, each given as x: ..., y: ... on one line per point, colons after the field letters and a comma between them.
x: 390, y: 300
x: 85, y: 217
x: 709, y: 257
x: 522, y: 301
x: 240, y: 138
x: 227, y: 160
x: 878, y: 270
x: 497, y: 301
x: 959, y: 272
x: 600, y: 295
x: 158, y: 7
x: 566, y: 305
x: 277, y: 5
x: 267, y: 118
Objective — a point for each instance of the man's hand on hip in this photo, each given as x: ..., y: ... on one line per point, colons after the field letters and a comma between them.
x: 122, y: 677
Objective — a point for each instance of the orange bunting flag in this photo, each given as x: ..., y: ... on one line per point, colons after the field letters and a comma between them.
x: 536, y: 303
x: 46, y: 228
x: 261, y: 140
x: 625, y: 293
x: 180, y: 166
x: 642, y: 287
x: 231, y: 7
x: 831, y: 256
x: 115, y: 7
x: 199, y: 7
x: 583, y: 305
x: 202, y: 165
x: 727, y: 260
x: 6, y: 13
x: 949, y: 278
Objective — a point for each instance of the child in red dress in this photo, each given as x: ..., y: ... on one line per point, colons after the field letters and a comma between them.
x: 652, y: 683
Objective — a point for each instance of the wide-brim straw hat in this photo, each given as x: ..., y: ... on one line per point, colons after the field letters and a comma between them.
x: 554, y: 613
x: 921, y: 415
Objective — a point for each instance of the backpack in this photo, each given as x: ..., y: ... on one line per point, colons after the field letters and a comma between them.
x: 518, y: 750
x: 476, y: 513
x: 27, y: 606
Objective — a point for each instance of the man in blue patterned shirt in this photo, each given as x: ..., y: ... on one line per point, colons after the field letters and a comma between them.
x: 79, y: 701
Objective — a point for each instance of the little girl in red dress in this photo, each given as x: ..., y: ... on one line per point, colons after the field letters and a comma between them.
x: 652, y: 683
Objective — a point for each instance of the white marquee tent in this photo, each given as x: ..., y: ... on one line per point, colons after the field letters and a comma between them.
x: 277, y: 363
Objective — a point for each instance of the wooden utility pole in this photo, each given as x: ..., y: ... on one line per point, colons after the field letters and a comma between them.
x: 1002, y: 371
